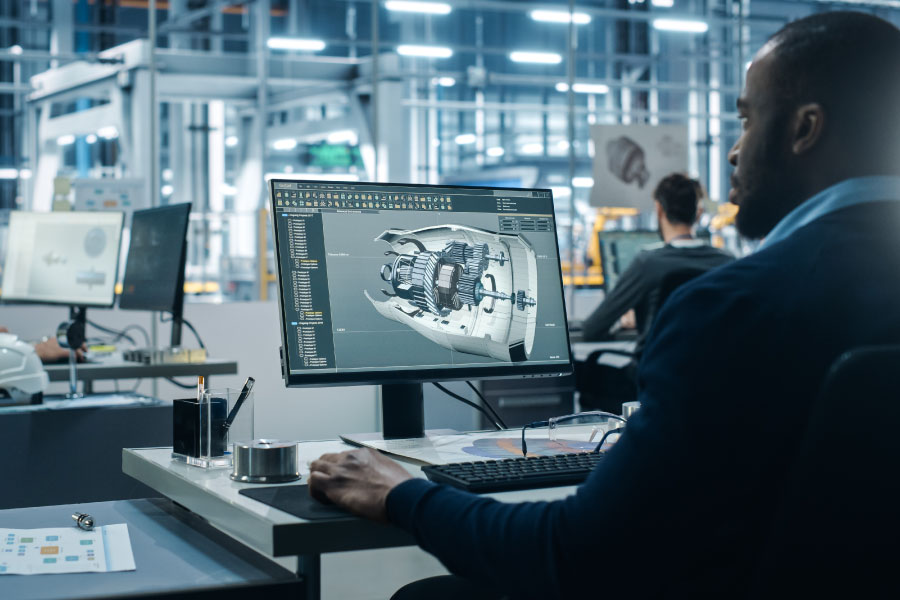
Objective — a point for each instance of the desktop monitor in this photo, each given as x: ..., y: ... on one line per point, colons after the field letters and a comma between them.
x: 154, y: 269
x: 68, y: 258
x: 403, y: 284
x: 618, y: 249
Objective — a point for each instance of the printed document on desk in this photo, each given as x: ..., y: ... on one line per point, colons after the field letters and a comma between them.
x: 438, y: 448
x: 65, y: 550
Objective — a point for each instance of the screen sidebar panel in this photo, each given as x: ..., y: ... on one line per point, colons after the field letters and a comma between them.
x: 306, y: 305
x: 354, y: 259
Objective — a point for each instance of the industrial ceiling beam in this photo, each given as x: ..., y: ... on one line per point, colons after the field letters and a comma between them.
x: 188, y: 18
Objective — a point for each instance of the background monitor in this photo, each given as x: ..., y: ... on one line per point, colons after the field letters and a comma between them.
x: 66, y: 258
x: 154, y: 269
x: 618, y: 249
x: 399, y: 284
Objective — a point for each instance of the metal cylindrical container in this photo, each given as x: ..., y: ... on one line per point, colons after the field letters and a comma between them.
x: 266, y: 461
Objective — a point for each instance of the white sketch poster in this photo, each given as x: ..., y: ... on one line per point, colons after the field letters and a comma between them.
x: 630, y: 160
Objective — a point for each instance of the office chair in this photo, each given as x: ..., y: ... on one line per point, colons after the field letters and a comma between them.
x: 605, y: 387
x: 671, y: 282
x: 837, y: 529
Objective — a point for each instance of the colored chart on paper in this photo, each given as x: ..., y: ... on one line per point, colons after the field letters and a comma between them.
x: 495, y: 448
x: 439, y: 448
x: 65, y: 550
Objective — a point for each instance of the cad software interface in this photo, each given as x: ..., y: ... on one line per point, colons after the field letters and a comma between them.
x: 62, y: 257
x: 389, y: 278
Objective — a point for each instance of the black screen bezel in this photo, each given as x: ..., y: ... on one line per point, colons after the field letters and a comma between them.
x: 379, y: 377
x: 177, y: 299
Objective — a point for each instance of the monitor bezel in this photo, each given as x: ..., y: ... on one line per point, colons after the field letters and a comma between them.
x: 380, y: 377
x: 178, y: 297
x: 608, y: 285
x: 4, y: 299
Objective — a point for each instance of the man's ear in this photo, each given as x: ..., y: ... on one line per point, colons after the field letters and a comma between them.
x: 657, y: 206
x: 808, y: 127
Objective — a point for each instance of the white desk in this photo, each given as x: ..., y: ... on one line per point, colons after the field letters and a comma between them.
x: 215, y: 497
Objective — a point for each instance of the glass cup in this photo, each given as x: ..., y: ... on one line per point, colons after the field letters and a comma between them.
x: 203, y: 435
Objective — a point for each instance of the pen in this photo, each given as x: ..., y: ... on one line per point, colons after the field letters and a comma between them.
x: 248, y: 385
x: 200, y: 389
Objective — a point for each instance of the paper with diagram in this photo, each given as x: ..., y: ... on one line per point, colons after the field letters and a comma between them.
x: 65, y: 550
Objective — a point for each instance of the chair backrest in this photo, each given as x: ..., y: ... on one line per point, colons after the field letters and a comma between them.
x: 671, y: 282
x: 837, y: 529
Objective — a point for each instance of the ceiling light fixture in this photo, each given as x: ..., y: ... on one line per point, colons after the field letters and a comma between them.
x: 542, y: 58
x: 342, y: 136
x: 560, y: 16
x: 583, y: 88
x: 680, y: 25
x: 424, y: 51
x: 428, y: 8
x: 583, y: 182
x: 282, y: 43
x: 285, y: 145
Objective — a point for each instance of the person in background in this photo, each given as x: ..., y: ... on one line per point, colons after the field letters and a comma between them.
x: 677, y: 201
x: 49, y: 350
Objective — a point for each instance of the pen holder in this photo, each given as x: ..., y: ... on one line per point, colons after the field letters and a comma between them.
x: 200, y: 436
x: 241, y: 429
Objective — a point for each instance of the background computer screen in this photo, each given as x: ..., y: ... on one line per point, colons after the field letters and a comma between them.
x: 62, y: 258
x: 384, y: 282
x: 618, y: 249
x: 154, y: 269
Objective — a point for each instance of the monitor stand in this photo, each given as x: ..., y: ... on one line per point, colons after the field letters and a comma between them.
x: 402, y: 410
x: 402, y: 416
x: 71, y: 335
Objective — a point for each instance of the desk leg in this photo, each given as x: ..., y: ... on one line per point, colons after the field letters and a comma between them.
x: 309, y: 568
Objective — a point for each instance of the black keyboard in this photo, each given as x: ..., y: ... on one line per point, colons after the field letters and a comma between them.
x: 516, y: 473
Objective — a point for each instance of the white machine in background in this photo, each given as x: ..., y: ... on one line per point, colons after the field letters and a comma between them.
x: 22, y: 376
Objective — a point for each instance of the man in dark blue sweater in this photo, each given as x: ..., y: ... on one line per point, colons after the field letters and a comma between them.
x: 681, y: 505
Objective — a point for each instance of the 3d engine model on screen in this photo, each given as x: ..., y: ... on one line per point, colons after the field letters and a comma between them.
x: 467, y: 289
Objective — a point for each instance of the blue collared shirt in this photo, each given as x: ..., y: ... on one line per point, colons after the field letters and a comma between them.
x: 849, y: 192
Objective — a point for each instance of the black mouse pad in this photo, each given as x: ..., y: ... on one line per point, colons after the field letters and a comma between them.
x: 295, y: 499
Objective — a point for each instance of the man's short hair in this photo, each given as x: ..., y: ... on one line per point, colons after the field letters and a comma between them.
x: 678, y: 195
x: 848, y: 62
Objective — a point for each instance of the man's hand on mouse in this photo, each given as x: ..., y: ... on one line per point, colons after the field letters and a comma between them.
x: 49, y: 350
x: 358, y: 480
